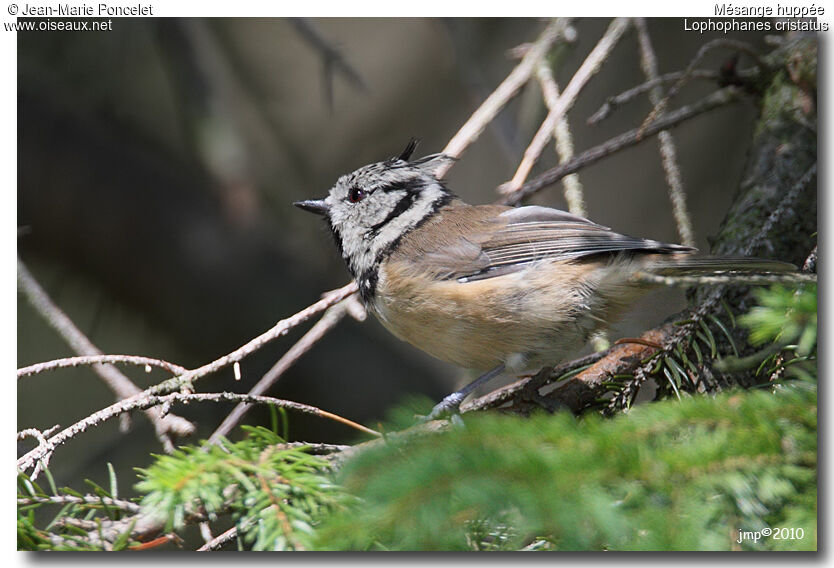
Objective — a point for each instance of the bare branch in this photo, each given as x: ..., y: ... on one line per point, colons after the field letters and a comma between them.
x: 564, y: 140
x: 278, y: 330
x: 219, y: 540
x: 35, y: 433
x: 717, y: 99
x: 668, y: 151
x: 115, y: 380
x: 96, y: 359
x: 587, y: 70
x: 779, y: 211
x: 257, y: 399
x: 627, y: 96
x: 43, y: 445
x: 328, y: 321
x: 151, y: 400
x: 660, y: 107
x: 205, y: 531
x: 331, y: 55
x: 83, y: 500
x: 473, y: 127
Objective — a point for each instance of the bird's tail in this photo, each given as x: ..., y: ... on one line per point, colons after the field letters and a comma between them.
x: 693, y: 265
x: 689, y: 270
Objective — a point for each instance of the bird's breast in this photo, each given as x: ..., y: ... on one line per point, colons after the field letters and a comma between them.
x: 525, y: 319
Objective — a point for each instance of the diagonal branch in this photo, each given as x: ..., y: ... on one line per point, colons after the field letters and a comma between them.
x: 78, y: 342
x: 587, y: 70
x: 219, y: 540
x: 328, y: 321
x: 493, y: 104
x: 150, y: 398
x: 93, y: 500
x: 151, y: 401
x: 280, y: 329
x: 660, y: 107
x: 96, y: 359
x: 564, y: 141
x: 668, y: 151
x: 717, y: 99
x: 615, y: 101
x: 331, y: 55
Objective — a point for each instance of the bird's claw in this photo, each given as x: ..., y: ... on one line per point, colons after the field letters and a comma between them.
x: 448, y: 406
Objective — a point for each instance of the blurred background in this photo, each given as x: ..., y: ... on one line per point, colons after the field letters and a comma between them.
x: 157, y: 164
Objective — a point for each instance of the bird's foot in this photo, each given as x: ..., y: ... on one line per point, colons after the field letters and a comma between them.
x: 449, y: 406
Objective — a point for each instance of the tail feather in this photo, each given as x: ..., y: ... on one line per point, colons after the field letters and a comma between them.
x: 679, y: 264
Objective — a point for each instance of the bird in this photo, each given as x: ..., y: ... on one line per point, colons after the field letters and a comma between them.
x: 491, y: 288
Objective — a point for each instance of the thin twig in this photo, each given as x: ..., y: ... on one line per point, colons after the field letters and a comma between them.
x: 717, y: 99
x: 43, y: 444
x: 587, y: 70
x: 332, y: 56
x: 219, y: 540
x: 145, y: 399
x: 668, y: 151
x: 83, y: 524
x: 508, y: 88
x: 115, y: 380
x: 775, y: 216
x: 83, y: 500
x: 205, y: 531
x: 151, y: 400
x: 568, y: 35
x: 615, y: 101
x: 564, y: 140
x: 660, y: 107
x: 95, y: 359
x: 35, y: 433
x: 278, y: 330
x: 328, y: 321
x: 258, y: 399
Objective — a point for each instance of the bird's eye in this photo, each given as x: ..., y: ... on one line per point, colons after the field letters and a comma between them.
x: 356, y: 194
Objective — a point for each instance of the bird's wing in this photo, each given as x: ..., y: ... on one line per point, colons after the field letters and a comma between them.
x: 495, y: 241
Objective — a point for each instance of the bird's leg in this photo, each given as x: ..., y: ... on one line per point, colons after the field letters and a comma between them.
x: 452, y: 402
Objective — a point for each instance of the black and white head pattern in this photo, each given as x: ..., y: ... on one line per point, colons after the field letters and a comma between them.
x: 372, y: 208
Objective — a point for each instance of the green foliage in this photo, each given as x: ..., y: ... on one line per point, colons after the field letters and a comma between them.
x: 79, y: 519
x: 275, y: 493
x: 784, y: 315
x: 784, y: 326
x: 667, y: 476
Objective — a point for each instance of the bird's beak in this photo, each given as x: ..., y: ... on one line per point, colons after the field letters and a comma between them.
x: 317, y: 206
